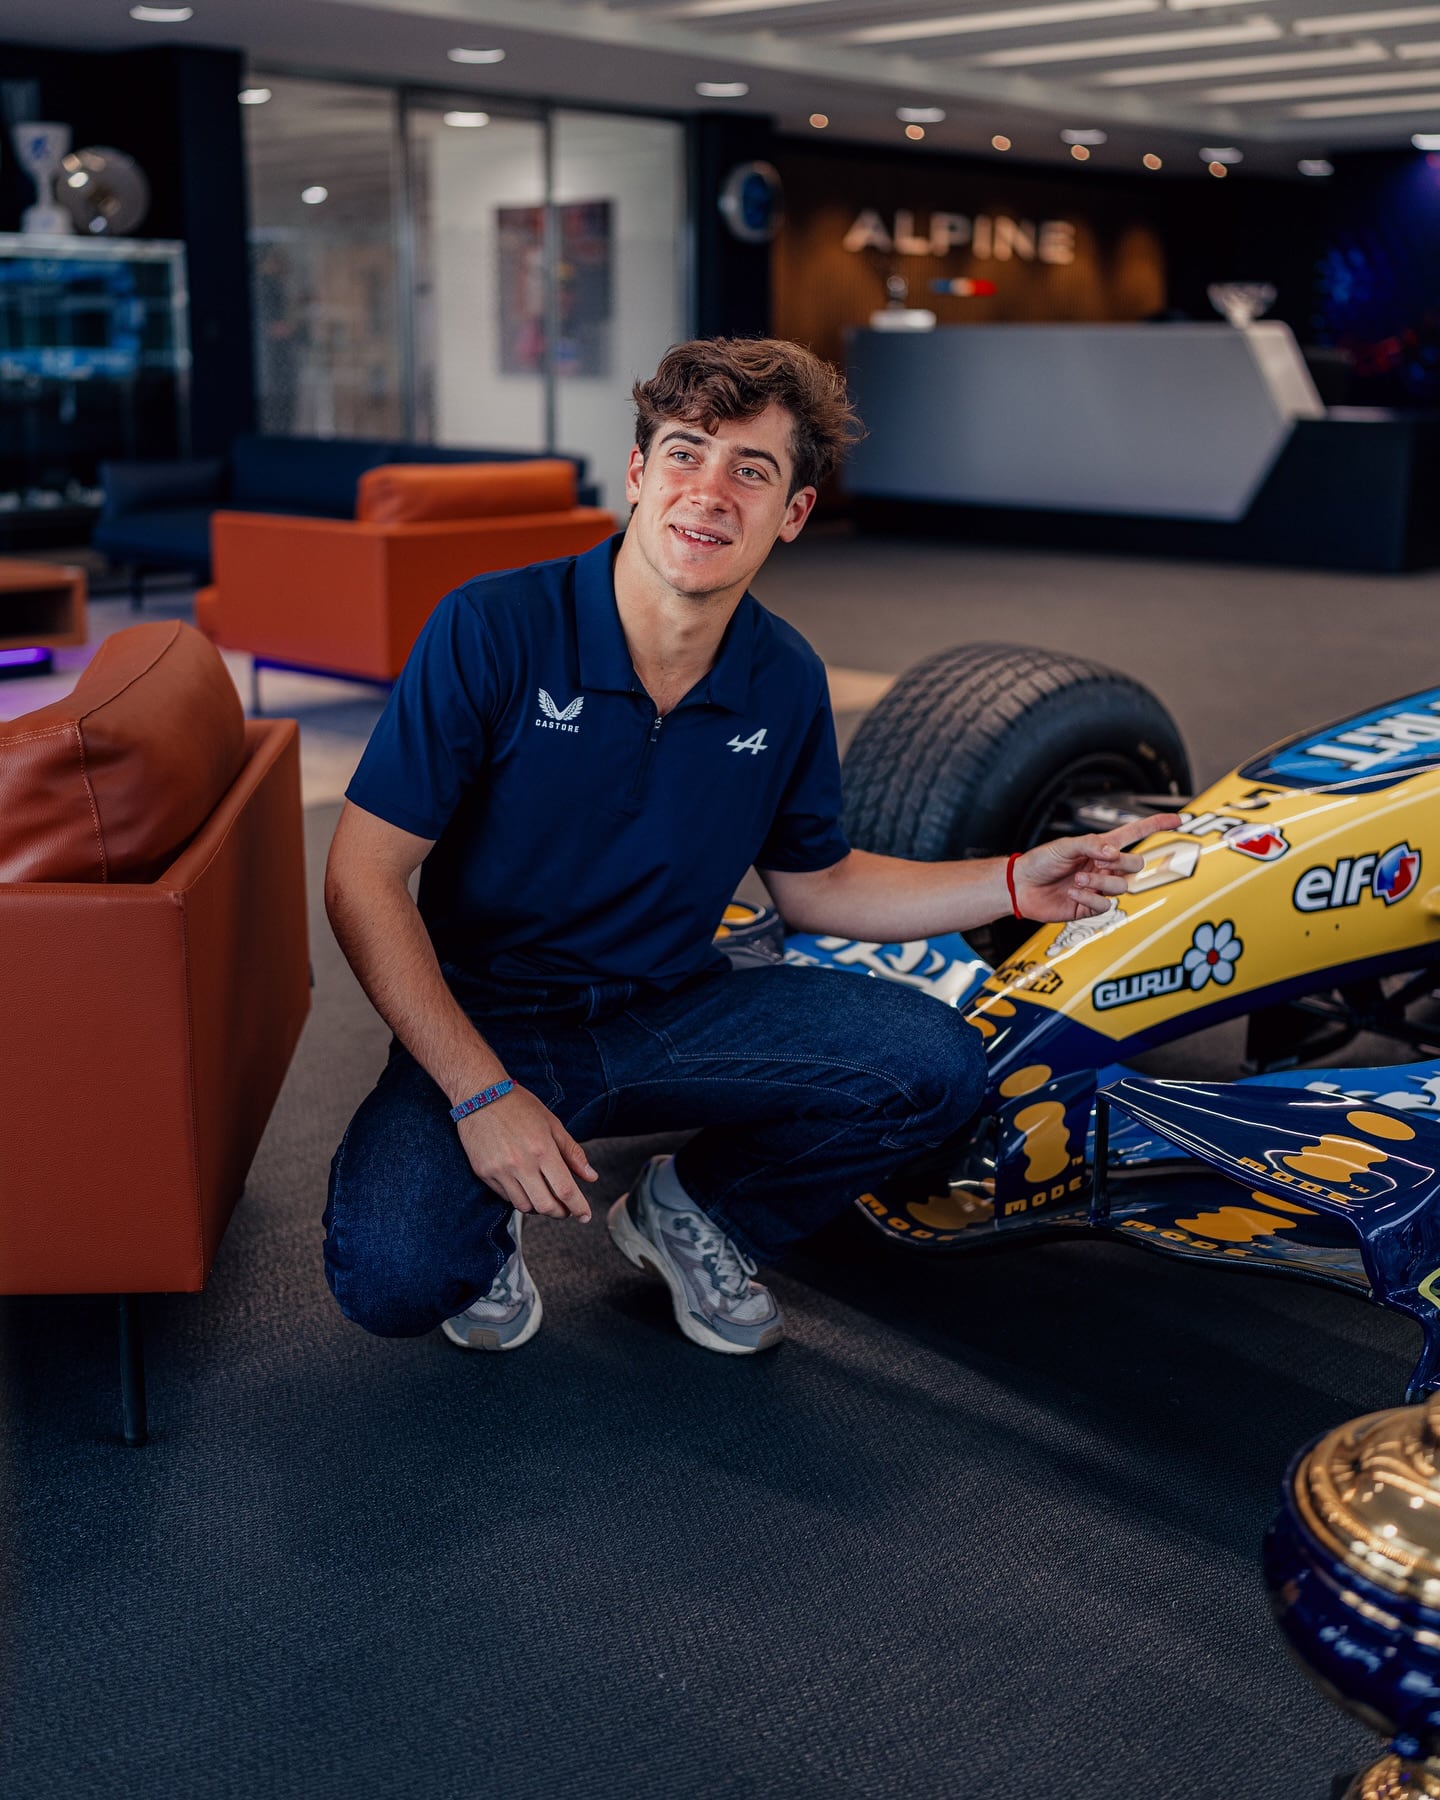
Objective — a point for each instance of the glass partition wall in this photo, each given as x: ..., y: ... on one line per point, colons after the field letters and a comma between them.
x: 461, y: 271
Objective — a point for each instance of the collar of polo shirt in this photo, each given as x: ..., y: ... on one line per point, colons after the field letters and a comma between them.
x: 605, y: 665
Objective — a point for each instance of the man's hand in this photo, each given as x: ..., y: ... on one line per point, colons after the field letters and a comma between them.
x: 1071, y: 878
x: 522, y: 1152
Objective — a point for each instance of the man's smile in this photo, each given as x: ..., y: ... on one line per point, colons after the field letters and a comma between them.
x: 698, y: 534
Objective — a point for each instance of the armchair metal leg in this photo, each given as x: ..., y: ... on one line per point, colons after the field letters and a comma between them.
x: 132, y: 1371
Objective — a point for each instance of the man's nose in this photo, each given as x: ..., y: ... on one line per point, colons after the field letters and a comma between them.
x: 713, y: 490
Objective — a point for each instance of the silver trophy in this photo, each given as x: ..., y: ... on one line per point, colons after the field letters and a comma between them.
x: 40, y: 145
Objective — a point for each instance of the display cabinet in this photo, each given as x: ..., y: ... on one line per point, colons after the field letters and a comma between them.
x: 94, y: 363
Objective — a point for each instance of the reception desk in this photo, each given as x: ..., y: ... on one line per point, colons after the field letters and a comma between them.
x: 1167, y: 439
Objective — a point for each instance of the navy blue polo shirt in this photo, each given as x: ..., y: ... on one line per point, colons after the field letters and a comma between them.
x: 579, y: 838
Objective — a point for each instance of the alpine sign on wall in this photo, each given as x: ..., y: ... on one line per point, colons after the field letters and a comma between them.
x: 1053, y: 248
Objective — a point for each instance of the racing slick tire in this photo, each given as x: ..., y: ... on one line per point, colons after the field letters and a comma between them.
x: 986, y: 748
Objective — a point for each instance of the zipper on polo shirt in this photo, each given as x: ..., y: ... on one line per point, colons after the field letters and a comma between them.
x: 642, y: 768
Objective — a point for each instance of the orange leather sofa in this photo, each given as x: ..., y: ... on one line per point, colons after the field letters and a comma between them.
x: 155, y: 972
x: 348, y: 597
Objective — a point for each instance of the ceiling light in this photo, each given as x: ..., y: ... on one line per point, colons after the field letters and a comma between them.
x: 920, y: 115
x: 1217, y: 169
x: 1300, y: 90
x: 1009, y: 19
x: 476, y: 56
x: 1227, y: 153
x: 1245, y: 65
x: 1071, y: 136
x: 313, y: 196
x: 1360, y: 109
x: 722, y: 90
x: 1371, y: 21
x: 1202, y: 5
x: 1151, y: 160
x: 1149, y: 43
x: 466, y: 118
x: 1080, y: 153
x: 254, y: 96
x: 819, y: 120
x: 915, y: 133
x: 1413, y: 52
x: 1000, y: 142
x: 1426, y: 140
x: 162, y: 15
x: 716, y: 9
x: 1315, y: 165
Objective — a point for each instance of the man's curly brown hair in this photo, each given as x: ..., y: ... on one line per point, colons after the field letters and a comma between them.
x: 713, y: 379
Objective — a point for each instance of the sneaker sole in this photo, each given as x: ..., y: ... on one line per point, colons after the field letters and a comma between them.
x: 637, y: 1249
x: 476, y: 1337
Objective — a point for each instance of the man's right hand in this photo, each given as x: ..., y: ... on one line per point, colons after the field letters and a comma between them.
x: 522, y: 1152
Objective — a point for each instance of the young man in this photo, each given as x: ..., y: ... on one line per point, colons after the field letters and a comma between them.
x: 586, y: 756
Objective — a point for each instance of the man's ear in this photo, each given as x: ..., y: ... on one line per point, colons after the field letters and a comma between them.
x: 634, y: 469
x: 797, y: 511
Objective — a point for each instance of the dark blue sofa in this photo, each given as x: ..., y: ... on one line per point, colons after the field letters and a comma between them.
x: 157, y: 514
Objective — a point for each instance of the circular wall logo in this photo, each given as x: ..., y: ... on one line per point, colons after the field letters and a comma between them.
x: 752, y: 202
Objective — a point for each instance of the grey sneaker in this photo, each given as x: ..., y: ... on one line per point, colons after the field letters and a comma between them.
x: 717, y: 1301
x: 509, y: 1315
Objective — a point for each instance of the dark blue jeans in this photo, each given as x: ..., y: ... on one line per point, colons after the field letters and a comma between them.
x: 805, y: 1087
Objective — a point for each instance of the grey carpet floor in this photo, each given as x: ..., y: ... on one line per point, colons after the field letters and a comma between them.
x: 983, y: 1527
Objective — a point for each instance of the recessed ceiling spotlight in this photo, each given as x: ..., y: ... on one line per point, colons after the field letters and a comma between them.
x: 1082, y: 137
x: 1217, y: 169
x: 1080, y: 153
x: 1000, y: 142
x: 254, y: 96
x: 722, y: 90
x: 466, y: 118
x: 819, y: 120
x: 1315, y: 165
x: 920, y: 115
x: 476, y: 56
x: 1227, y: 153
x: 162, y: 15
x: 314, y: 196
x: 1426, y: 140
x: 915, y: 133
x: 1151, y: 160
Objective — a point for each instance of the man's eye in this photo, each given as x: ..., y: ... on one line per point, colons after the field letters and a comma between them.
x: 685, y: 453
x: 747, y: 470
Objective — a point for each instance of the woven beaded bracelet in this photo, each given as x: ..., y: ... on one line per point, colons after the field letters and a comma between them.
x: 483, y: 1098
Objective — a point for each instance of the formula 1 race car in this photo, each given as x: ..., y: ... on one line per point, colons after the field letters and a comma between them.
x: 1293, y: 892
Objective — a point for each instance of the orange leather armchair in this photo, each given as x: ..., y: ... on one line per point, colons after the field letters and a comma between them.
x: 156, y: 973
x: 348, y: 597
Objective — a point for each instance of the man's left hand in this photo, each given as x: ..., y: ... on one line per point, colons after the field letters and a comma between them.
x: 1071, y: 878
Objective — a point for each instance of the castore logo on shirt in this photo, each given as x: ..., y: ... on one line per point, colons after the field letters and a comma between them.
x: 556, y: 720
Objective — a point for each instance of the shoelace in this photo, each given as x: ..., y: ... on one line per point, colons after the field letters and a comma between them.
x: 506, y: 1287
x: 730, y: 1269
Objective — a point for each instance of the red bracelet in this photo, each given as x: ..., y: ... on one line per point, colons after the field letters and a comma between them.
x: 1015, y: 855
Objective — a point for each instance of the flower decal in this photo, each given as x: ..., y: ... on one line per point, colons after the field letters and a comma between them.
x: 1213, y: 955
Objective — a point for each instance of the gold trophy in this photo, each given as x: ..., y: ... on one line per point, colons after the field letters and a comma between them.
x: 1352, y: 1563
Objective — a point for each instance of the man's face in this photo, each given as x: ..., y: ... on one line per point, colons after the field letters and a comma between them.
x: 709, y: 505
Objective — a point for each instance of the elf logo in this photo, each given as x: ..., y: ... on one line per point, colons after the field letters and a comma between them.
x: 1389, y: 877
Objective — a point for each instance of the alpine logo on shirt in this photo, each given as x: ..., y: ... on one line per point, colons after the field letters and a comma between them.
x: 755, y: 743
x: 554, y: 718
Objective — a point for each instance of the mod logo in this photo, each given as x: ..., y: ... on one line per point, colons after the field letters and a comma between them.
x: 1388, y: 877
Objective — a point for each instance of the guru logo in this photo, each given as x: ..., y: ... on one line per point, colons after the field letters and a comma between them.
x: 1389, y: 877
x: 1212, y: 956
x: 554, y: 719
